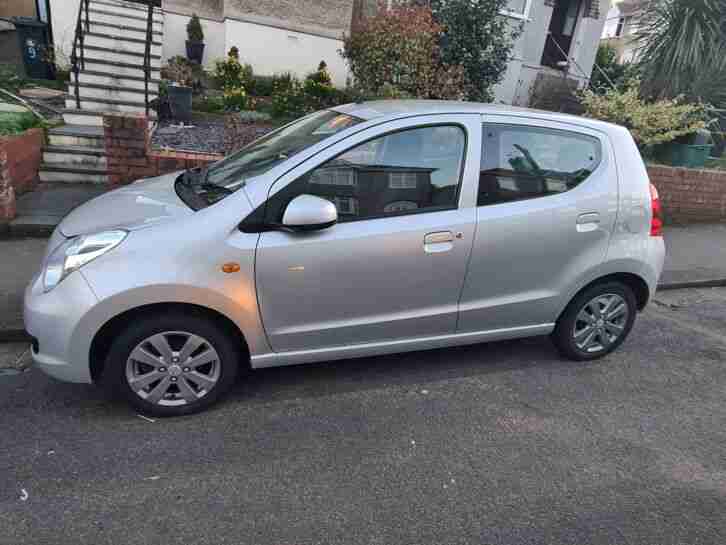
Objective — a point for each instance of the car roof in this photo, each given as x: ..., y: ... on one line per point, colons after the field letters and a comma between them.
x: 406, y: 108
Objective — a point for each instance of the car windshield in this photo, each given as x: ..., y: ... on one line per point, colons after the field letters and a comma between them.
x: 232, y: 172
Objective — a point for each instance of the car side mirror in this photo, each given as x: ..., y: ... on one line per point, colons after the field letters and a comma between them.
x: 309, y: 213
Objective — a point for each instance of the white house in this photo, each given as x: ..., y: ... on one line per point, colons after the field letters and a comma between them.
x: 559, y: 40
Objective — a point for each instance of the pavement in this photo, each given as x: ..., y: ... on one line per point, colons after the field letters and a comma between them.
x: 499, y: 443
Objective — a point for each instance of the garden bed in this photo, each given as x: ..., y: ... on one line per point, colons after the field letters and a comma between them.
x: 205, y: 134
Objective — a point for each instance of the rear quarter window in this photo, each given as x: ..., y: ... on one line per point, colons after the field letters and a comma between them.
x: 520, y: 162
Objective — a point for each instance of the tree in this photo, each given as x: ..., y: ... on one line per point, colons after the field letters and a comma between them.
x: 610, y: 71
x: 682, y: 50
x: 398, y: 49
x: 479, y: 39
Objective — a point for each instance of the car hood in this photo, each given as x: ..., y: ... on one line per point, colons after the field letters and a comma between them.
x: 139, y: 205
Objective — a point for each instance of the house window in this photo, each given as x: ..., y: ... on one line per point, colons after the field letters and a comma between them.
x: 402, y: 180
x: 333, y: 176
x: 518, y: 9
x: 620, y: 27
x: 346, y: 205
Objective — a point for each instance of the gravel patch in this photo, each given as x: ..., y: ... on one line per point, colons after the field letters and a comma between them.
x: 202, y: 135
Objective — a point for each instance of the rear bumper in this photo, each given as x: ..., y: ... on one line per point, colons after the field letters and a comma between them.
x: 653, y: 263
x: 53, y: 319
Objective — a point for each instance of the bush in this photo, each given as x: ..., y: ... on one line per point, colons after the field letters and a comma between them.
x: 235, y: 98
x: 179, y: 70
x: 477, y: 38
x: 209, y: 104
x: 288, y: 98
x: 651, y: 123
x: 195, y: 32
x: 260, y: 86
x: 614, y: 73
x: 12, y: 123
x: 231, y: 73
x: 399, y: 48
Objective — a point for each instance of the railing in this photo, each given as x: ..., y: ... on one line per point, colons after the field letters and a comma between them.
x: 147, y: 52
x: 78, y: 63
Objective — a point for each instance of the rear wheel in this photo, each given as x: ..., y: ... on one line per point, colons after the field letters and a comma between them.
x: 172, y: 364
x: 596, y: 322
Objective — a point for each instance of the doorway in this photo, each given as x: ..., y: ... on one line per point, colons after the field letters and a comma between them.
x: 561, y: 33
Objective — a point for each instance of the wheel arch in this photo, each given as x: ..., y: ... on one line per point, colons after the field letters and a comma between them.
x: 634, y: 281
x: 104, y: 337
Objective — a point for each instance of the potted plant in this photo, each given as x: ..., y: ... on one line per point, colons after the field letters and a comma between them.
x: 181, y: 76
x: 195, y: 40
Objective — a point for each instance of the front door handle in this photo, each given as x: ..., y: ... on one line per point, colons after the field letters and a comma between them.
x: 441, y: 241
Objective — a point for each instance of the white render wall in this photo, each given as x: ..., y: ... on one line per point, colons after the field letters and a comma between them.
x: 271, y: 50
x: 63, y: 19
x: 175, y: 38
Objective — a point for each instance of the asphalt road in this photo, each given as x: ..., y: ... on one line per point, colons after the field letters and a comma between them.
x: 498, y: 443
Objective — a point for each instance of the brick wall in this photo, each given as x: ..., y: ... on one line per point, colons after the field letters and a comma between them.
x: 690, y: 195
x: 130, y: 157
x: 20, y: 157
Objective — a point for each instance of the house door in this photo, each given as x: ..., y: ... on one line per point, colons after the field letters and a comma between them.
x: 561, y: 32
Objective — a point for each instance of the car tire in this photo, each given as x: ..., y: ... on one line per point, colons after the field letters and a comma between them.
x: 596, y: 322
x: 172, y: 364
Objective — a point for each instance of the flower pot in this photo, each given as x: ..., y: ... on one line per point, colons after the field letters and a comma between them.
x: 180, y: 102
x: 195, y: 51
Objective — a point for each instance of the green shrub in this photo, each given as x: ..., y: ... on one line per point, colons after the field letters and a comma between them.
x: 231, y: 73
x: 195, y: 32
x: 235, y: 98
x: 260, y: 86
x: 288, y: 98
x: 179, y: 70
x: 12, y: 123
x: 209, y: 104
x: 651, y: 123
x: 476, y: 37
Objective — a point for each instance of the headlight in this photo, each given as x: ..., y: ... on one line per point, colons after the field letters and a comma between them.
x: 76, y: 252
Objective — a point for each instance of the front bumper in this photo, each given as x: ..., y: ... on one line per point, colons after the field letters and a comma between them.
x: 55, y: 320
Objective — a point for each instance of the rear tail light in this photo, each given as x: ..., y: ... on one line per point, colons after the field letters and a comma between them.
x: 656, y: 224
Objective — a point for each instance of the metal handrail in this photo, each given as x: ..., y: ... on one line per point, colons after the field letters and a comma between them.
x: 147, y: 52
x: 78, y: 43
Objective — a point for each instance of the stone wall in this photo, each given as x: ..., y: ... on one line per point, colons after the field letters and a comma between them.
x: 690, y: 195
x: 20, y: 157
x: 130, y: 157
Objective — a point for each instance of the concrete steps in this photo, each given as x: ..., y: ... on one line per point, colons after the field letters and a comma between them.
x: 84, y: 136
x: 101, y: 80
x: 110, y: 81
x: 71, y: 173
x: 75, y: 156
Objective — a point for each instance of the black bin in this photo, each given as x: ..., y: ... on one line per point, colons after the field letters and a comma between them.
x: 34, y: 43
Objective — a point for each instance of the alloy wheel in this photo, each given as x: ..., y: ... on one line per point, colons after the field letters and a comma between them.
x: 600, y: 323
x: 173, y: 368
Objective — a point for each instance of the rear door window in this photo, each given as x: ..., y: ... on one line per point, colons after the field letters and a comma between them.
x: 520, y: 162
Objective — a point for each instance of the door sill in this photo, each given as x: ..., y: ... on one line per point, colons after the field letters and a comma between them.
x: 278, y: 359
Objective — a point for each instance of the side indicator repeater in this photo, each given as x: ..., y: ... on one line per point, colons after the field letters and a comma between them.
x: 230, y: 268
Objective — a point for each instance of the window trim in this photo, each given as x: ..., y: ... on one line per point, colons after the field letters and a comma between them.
x: 601, y: 159
x: 457, y: 197
x: 516, y: 15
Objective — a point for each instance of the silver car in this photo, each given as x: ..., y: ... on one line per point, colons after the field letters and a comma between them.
x: 365, y: 229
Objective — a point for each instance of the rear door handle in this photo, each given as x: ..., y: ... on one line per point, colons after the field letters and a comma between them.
x: 588, y: 222
x: 441, y: 241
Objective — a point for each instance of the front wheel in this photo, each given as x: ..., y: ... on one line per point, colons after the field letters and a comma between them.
x: 596, y: 322
x: 172, y: 365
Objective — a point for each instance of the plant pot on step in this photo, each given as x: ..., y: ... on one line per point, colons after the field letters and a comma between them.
x: 195, y: 51
x: 180, y: 102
